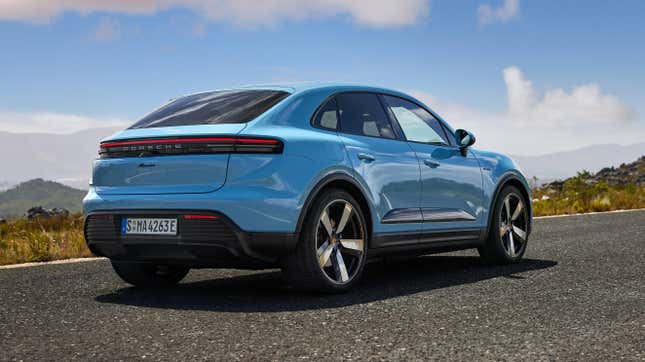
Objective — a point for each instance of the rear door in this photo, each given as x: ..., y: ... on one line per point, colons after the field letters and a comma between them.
x: 386, y: 163
x: 451, y: 183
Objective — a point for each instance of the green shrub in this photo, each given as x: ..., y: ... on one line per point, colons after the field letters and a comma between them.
x: 579, y: 195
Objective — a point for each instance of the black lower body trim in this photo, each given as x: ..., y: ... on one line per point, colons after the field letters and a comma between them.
x: 426, y: 243
x: 200, y: 242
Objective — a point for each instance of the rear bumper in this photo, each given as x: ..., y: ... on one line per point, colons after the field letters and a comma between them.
x: 215, y: 242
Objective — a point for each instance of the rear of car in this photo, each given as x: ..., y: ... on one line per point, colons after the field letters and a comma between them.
x: 157, y: 191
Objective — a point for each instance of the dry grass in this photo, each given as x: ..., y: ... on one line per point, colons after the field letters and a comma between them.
x: 23, y: 240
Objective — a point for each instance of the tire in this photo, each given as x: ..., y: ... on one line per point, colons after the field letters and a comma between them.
x: 507, y: 229
x: 147, y: 275
x: 331, y: 253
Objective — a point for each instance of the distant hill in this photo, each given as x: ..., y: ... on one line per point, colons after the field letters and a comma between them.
x: 627, y: 173
x: 560, y: 165
x: 17, y: 200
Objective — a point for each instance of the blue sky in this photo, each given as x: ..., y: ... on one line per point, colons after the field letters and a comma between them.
x: 94, y: 65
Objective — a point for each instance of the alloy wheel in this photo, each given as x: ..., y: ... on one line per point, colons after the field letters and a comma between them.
x: 513, y: 225
x: 340, y: 241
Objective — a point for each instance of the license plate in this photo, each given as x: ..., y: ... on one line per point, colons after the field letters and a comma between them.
x: 148, y: 226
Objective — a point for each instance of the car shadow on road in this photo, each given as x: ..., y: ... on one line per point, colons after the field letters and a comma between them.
x: 266, y: 291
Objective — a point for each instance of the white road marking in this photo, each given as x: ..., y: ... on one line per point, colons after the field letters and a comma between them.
x: 588, y: 213
x: 63, y: 261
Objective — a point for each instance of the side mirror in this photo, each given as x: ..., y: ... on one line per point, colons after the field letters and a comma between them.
x: 464, y: 138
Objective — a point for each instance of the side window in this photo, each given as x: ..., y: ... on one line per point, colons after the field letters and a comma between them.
x: 327, y: 116
x: 363, y: 114
x: 417, y: 124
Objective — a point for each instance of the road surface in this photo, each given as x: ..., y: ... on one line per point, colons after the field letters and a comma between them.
x: 580, y: 294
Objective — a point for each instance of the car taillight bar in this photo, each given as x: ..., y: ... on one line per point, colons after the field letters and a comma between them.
x: 188, y: 145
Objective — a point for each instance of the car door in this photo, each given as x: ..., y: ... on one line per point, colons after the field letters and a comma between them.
x: 385, y: 163
x: 452, y: 194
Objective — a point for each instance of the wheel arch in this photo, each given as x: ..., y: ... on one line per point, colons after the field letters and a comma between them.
x: 510, y: 179
x: 340, y: 181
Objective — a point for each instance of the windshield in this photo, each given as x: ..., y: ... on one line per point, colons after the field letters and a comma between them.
x: 234, y: 106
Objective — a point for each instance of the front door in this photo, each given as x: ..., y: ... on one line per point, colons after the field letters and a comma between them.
x: 452, y: 195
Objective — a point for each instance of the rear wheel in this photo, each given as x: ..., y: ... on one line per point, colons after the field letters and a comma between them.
x: 330, y: 255
x: 148, y: 275
x: 509, y: 230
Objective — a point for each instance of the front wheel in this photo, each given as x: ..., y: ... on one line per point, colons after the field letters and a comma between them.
x: 509, y: 230
x: 331, y: 253
x: 147, y: 275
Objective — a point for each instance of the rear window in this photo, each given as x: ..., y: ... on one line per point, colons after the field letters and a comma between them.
x: 235, y: 106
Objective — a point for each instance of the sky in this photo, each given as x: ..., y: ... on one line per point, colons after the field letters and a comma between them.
x: 527, y: 77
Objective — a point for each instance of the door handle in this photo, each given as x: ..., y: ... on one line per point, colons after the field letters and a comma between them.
x: 431, y: 163
x: 366, y: 157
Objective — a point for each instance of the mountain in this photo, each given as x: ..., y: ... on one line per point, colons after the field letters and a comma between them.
x: 17, y: 200
x: 627, y: 173
x: 63, y: 158
x: 561, y: 165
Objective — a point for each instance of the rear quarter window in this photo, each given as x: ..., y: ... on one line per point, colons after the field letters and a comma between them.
x: 327, y: 116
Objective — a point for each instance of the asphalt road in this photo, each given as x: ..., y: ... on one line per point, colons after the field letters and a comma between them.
x: 580, y: 294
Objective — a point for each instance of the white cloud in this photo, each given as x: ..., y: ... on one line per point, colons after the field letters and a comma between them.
x: 538, y: 124
x: 42, y: 11
x: 584, y: 105
x: 509, y: 10
x: 241, y: 12
x: 107, y: 30
x: 51, y: 122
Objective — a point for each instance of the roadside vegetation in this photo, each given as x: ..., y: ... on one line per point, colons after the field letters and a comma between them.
x: 577, y: 195
x: 42, y: 239
x: 612, y: 188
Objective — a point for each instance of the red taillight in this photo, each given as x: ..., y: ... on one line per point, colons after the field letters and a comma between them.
x: 257, y: 141
x: 200, y: 217
x: 189, y: 145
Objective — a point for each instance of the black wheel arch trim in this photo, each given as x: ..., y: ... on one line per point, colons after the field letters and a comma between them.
x: 501, y: 183
x: 315, y: 192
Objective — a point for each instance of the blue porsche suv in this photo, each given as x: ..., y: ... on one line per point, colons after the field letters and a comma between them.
x: 313, y: 179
